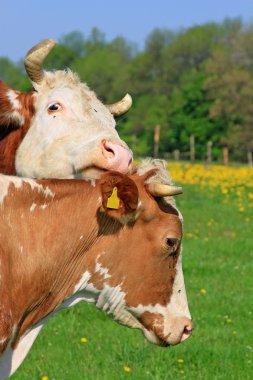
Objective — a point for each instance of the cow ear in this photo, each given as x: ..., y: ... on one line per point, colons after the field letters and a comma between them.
x: 15, y: 106
x: 119, y: 197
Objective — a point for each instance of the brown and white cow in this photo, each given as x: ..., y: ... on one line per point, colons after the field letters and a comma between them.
x: 62, y: 242
x: 60, y: 129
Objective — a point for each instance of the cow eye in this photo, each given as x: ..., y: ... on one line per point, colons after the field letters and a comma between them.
x: 171, y: 242
x: 54, y: 107
x: 172, y: 245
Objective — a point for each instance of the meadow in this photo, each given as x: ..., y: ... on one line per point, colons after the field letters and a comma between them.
x: 83, y: 343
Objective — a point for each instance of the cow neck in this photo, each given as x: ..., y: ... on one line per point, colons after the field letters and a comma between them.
x: 8, y: 147
x: 66, y: 241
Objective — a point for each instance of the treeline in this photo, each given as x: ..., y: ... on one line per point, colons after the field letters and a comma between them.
x: 194, y: 82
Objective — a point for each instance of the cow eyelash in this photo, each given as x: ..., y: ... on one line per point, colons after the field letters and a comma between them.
x: 54, y: 107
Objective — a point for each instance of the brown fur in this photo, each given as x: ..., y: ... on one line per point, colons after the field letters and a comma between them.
x: 11, y: 132
x: 45, y: 258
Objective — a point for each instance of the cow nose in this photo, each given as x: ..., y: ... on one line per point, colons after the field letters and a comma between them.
x: 118, y: 158
x: 187, y: 330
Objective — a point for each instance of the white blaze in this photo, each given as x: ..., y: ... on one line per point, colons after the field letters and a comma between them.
x: 6, y: 181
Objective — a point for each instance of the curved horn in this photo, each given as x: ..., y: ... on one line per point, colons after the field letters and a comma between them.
x: 161, y: 190
x: 35, y: 57
x: 121, y: 107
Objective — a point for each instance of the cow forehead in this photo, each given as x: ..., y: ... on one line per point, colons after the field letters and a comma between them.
x: 66, y: 87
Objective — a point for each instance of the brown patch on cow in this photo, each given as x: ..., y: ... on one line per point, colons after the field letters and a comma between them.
x: 11, y: 132
x: 6, y: 309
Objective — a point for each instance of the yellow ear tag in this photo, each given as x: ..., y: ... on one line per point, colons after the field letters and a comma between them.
x: 113, y: 200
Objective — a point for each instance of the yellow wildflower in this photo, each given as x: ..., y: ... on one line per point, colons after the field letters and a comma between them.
x: 234, y: 332
x: 127, y: 369
x: 44, y: 378
x: 180, y: 360
x: 203, y: 291
x: 84, y: 340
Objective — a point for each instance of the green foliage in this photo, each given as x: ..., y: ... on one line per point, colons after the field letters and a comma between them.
x: 189, y: 115
x: 60, y: 58
x: 9, y: 73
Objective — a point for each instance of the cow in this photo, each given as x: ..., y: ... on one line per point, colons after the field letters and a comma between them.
x: 59, y: 129
x: 65, y: 241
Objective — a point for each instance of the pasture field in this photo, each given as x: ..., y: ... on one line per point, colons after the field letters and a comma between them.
x: 83, y: 343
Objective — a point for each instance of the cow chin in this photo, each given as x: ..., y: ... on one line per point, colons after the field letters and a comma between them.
x: 90, y: 173
x: 153, y: 338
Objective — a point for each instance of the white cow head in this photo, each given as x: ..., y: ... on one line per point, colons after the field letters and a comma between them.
x: 66, y: 131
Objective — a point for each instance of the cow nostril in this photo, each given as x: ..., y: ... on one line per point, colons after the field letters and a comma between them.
x: 187, y: 330
x: 109, y: 151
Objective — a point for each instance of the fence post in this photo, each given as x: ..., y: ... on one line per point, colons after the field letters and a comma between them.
x: 250, y: 158
x: 225, y: 155
x: 209, y: 151
x: 192, y: 148
x: 176, y: 154
x: 156, y: 140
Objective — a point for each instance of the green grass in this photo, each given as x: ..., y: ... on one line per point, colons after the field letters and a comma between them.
x: 218, y: 253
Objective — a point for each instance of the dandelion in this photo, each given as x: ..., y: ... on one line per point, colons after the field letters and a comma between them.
x: 203, y: 291
x: 127, y: 369
x: 180, y: 360
x: 241, y: 209
x: 247, y: 220
x: 84, y: 340
x: 44, y: 378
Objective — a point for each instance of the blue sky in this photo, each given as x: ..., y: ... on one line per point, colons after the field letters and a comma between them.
x: 26, y: 22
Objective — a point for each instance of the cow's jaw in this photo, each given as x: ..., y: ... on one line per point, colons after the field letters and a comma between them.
x: 171, y: 324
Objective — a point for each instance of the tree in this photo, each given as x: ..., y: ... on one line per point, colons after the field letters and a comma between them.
x: 59, y: 58
x: 189, y: 115
x: 10, y: 74
x: 74, y: 41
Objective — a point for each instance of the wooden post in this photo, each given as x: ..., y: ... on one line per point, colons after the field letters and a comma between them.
x: 192, y: 148
x: 209, y: 151
x: 156, y: 140
x: 225, y: 155
x: 250, y: 158
x: 176, y: 154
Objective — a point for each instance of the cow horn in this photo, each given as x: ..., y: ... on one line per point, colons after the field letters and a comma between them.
x: 161, y: 190
x: 120, y: 107
x: 35, y: 57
